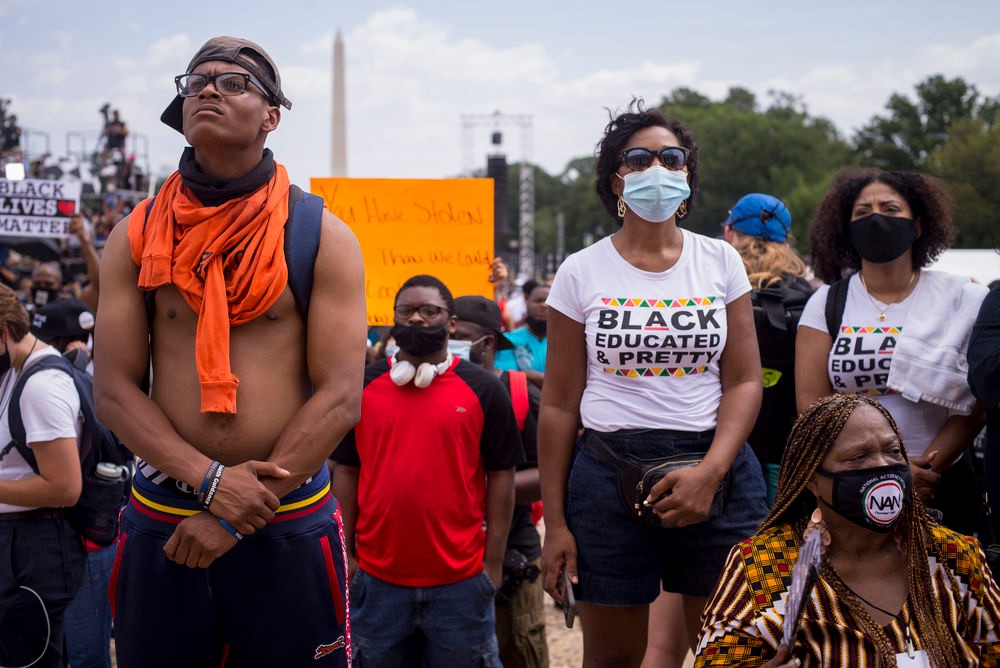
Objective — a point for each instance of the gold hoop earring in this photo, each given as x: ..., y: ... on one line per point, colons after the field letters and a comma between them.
x: 682, y: 210
x: 621, y: 207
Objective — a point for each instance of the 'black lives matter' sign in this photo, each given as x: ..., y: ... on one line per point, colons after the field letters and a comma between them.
x: 37, y: 208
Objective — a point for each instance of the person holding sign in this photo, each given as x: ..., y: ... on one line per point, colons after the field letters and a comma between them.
x: 231, y: 547
x: 893, y: 330
x: 651, y: 346
x: 895, y: 588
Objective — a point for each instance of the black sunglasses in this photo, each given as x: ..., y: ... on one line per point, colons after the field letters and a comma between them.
x: 671, y: 157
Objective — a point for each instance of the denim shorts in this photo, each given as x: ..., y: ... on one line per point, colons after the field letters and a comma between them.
x: 622, y: 561
x: 408, y: 627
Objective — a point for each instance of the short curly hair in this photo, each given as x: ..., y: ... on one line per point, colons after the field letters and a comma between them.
x: 831, y: 253
x: 617, y: 133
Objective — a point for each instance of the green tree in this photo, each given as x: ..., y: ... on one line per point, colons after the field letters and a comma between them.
x: 969, y: 162
x: 911, y: 130
x: 782, y: 151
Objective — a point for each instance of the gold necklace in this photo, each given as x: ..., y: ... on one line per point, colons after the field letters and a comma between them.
x: 881, y: 315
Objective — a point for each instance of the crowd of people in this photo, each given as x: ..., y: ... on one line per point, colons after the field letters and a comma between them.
x: 678, y: 414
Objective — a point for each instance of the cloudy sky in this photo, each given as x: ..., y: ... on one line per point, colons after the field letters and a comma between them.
x: 414, y: 69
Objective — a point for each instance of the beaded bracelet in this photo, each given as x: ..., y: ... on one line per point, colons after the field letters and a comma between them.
x: 230, y: 528
x: 214, y: 485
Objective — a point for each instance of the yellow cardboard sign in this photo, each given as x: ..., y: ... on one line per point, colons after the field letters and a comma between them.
x: 441, y: 227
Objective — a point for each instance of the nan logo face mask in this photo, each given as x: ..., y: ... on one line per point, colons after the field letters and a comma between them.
x: 872, y: 498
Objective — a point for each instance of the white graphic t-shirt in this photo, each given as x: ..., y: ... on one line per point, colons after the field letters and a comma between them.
x: 862, y: 352
x: 653, y: 338
x: 50, y: 409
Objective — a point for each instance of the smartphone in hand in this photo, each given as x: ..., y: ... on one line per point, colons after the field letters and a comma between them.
x: 568, y: 599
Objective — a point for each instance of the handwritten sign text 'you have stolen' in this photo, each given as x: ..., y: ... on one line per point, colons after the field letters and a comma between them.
x: 416, y: 226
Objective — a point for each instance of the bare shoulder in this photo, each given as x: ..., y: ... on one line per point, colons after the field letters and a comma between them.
x: 119, y: 274
x: 339, y: 258
x: 337, y: 238
x: 118, y: 238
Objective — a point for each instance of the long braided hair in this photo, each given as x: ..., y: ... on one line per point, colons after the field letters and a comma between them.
x: 811, y: 438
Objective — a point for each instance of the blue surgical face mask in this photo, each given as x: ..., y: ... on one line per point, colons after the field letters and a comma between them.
x: 654, y: 194
x: 460, y: 349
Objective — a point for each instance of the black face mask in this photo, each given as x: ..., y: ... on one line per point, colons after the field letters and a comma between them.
x: 538, y: 326
x: 879, y: 238
x: 872, y: 498
x: 420, y: 341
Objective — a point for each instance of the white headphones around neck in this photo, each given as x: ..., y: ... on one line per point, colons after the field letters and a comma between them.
x: 403, y: 372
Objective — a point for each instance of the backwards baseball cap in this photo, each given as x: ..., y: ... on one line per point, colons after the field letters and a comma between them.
x: 485, y: 313
x: 63, y: 319
x: 242, y: 52
x: 762, y: 216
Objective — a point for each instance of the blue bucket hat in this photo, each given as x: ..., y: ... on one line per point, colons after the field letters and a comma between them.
x: 762, y: 216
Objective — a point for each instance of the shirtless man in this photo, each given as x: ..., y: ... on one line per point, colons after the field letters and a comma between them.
x: 228, y: 551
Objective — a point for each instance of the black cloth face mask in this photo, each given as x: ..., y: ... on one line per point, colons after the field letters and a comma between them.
x: 872, y: 498
x: 879, y: 238
x: 420, y: 341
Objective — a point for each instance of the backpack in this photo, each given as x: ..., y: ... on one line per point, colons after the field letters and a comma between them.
x: 836, y: 301
x: 518, y: 381
x: 776, y: 313
x: 302, y: 233
x: 519, y: 401
x: 95, y: 515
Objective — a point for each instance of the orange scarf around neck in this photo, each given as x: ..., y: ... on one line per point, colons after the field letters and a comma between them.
x: 227, y: 261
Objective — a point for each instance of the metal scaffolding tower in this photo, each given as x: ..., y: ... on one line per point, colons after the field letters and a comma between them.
x: 526, y: 177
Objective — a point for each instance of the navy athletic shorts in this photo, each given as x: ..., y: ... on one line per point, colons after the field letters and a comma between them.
x: 278, y: 598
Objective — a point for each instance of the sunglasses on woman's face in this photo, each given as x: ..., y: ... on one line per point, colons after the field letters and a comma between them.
x: 671, y: 157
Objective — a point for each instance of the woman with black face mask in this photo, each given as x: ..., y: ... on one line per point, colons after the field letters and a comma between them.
x: 889, y: 328
x: 894, y: 588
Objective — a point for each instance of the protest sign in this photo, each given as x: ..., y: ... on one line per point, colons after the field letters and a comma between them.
x: 37, y: 208
x: 416, y: 226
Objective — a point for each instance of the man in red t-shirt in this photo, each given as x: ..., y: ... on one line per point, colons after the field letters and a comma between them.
x: 431, y: 459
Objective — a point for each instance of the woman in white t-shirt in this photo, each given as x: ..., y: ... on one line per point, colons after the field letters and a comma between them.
x: 903, y: 331
x: 41, y: 556
x: 651, y: 348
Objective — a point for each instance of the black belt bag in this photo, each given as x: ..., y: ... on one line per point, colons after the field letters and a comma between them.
x: 637, y: 476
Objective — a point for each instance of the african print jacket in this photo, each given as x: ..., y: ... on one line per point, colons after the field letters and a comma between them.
x: 743, y: 617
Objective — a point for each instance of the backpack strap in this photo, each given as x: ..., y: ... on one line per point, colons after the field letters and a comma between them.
x: 302, y: 233
x: 836, y: 301
x: 518, y: 381
x: 149, y: 296
x: 14, y: 420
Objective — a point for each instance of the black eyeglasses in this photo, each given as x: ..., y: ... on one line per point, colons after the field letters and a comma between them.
x: 427, y: 311
x: 671, y: 157
x: 227, y: 83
